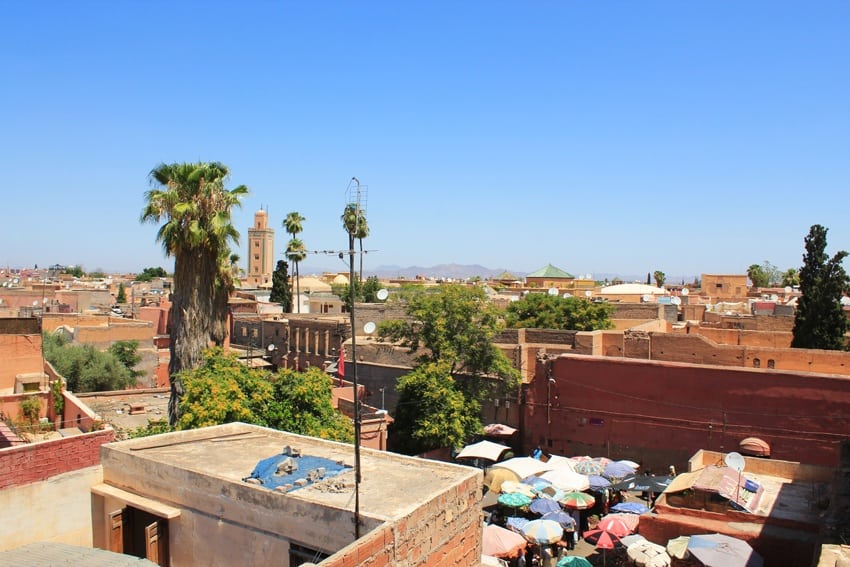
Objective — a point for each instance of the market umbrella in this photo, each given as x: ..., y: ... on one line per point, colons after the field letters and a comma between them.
x: 536, y: 482
x: 559, y: 461
x: 490, y: 561
x: 631, y: 520
x: 678, y: 547
x: 614, y: 526
x: 589, y: 467
x: 577, y: 500
x: 634, y: 466
x: 516, y: 523
x: 542, y: 531
x: 566, y: 479
x: 643, y: 483
x: 630, y: 508
x: 499, y: 542
x: 648, y: 554
x: 499, y: 430
x: 602, y: 540
x: 514, y: 500
x: 513, y: 487
x: 573, y: 561
x: 567, y: 522
x: 483, y: 450
x: 617, y: 470
x: 543, y: 506
x: 597, y: 481
x: 494, y: 477
x: 719, y: 550
x: 523, y: 466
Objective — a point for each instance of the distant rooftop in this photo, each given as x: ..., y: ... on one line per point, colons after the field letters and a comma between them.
x: 549, y: 271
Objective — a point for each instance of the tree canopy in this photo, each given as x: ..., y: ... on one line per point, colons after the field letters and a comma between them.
x: 431, y: 412
x: 820, y: 321
x: 85, y: 368
x: 281, y: 289
x: 223, y: 390
x: 149, y: 274
x: 544, y: 311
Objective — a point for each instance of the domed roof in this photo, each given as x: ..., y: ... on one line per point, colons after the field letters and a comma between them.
x: 340, y: 279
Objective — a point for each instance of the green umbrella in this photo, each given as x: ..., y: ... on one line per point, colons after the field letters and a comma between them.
x: 573, y: 561
x: 514, y: 499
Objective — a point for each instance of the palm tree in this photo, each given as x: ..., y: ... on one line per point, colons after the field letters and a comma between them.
x: 295, y: 252
x: 354, y: 222
x: 194, y: 207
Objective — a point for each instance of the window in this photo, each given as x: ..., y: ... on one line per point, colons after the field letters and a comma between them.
x: 771, y: 363
x: 756, y: 363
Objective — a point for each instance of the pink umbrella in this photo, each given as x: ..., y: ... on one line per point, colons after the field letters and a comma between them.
x: 631, y: 520
x: 499, y: 542
x: 615, y: 526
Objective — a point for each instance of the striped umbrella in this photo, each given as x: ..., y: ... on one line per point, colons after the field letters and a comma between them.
x: 631, y: 520
x: 542, y: 531
x: 577, y: 500
x: 589, y: 467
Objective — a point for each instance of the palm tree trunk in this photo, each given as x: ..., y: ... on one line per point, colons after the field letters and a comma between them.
x: 297, y: 288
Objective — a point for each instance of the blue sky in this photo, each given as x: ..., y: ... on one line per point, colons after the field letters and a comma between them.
x: 601, y: 137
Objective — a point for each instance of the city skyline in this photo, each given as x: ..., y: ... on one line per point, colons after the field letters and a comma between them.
x: 604, y: 138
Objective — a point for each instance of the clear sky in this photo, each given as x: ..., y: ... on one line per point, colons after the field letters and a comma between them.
x: 601, y: 137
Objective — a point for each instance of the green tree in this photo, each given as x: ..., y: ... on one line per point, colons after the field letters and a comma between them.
x: 364, y: 292
x: 85, y: 368
x: 757, y: 275
x: 820, y: 321
x: 295, y: 249
x: 122, y: 294
x: 354, y: 222
x: 455, y: 326
x: 149, y: 274
x: 195, y: 208
x: 281, y: 289
x: 303, y: 404
x: 544, y: 311
x: 127, y: 353
x: 76, y: 271
x: 432, y: 412
x: 790, y: 278
x: 659, y: 277
x: 223, y: 390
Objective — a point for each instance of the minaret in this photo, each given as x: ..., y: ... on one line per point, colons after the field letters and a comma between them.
x: 260, y: 251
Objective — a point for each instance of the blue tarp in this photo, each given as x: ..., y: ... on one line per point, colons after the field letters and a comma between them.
x: 265, y: 470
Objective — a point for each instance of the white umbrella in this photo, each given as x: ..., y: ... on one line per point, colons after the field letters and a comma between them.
x: 483, y: 450
x: 566, y: 479
x: 523, y: 466
x: 557, y: 461
x: 648, y: 554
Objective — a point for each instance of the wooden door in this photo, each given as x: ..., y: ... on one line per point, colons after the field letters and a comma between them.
x: 116, y: 531
x: 156, y: 542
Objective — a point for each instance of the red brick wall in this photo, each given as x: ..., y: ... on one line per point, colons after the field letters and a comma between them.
x: 443, y: 532
x: 662, y: 413
x: 36, y: 462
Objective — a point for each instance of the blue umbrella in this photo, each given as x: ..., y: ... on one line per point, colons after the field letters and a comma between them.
x: 597, y: 481
x: 536, y: 482
x: 617, y: 470
x: 543, y: 506
x: 630, y: 507
x: 567, y: 522
x: 516, y: 523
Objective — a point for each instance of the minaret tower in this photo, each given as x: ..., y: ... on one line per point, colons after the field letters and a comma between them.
x: 260, y: 251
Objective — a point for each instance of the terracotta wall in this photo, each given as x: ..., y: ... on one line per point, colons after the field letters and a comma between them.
x: 662, y: 413
x: 445, y: 532
x: 21, y: 354
x: 36, y: 462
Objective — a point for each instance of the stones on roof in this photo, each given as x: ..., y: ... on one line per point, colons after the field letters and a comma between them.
x: 550, y: 271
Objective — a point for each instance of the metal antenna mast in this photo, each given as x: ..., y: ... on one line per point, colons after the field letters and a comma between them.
x: 356, y: 206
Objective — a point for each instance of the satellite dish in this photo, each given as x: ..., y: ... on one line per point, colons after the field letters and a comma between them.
x: 382, y: 294
x: 566, y: 295
x: 676, y: 301
x: 788, y: 289
x: 774, y: 297
x: 553, y: 291
x: 270, y: 348
x: 35, y: 303
x: 645, y: 298
x: 685, y: 291
x: 369, y: 328
x: 15, y: 280
x: 588, y: 293
x: 735, y: 461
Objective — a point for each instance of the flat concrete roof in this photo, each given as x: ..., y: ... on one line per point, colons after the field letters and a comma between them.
x: 392, y: 485
x: 114, y: 407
